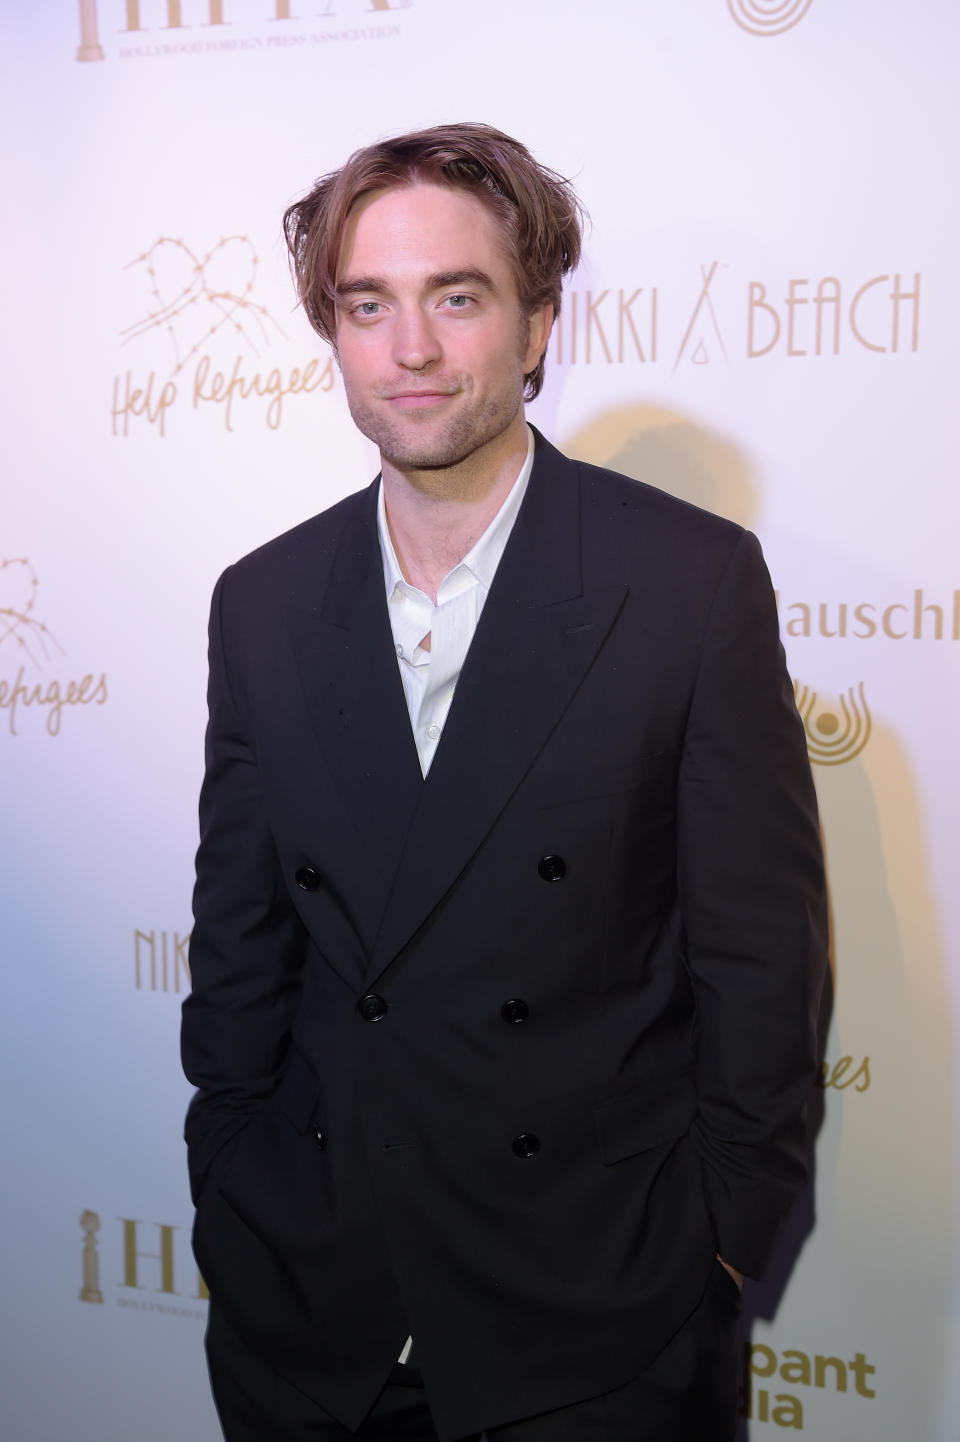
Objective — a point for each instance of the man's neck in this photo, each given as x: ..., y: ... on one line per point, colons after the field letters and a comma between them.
x: 435, y: 517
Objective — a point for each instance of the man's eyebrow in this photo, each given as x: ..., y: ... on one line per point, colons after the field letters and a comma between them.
x: 363, y: 284
x: 440, y: 280
x: 445, y: 278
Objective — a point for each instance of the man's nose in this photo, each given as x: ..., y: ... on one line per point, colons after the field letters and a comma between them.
x: 416, y: 344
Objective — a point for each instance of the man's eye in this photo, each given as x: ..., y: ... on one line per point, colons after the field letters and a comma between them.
x: 458, y: 302
x: 367, y: 307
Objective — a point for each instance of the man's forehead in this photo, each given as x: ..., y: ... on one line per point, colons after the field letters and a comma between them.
x: 434, y: 227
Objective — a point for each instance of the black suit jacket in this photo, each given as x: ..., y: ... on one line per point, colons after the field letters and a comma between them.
x: 594, y: 938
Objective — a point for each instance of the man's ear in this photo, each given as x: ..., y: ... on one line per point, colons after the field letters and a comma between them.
x: 539, y: 326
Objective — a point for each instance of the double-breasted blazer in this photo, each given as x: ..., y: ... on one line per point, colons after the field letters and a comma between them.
x: 502, y: 1057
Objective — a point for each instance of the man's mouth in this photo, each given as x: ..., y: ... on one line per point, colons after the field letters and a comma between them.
x: 419, y: 399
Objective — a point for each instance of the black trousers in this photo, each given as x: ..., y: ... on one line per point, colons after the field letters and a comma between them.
x: 687, y: 1394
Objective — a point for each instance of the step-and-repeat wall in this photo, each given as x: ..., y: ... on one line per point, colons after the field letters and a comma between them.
x: 766, y: 323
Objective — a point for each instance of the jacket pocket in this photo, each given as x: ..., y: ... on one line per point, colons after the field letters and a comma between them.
x: 298, y: 1095
x: 594, y: 782
x: 207, y: 1164
x: 659, y: 1112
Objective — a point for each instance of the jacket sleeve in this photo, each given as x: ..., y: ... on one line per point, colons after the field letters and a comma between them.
x: 753, y: 898
x: 247, y: 945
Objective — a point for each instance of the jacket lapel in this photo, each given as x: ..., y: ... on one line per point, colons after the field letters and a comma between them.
x: 536, y: 638
x: 354, y: 695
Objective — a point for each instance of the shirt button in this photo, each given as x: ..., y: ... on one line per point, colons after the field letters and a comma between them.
x: 433, y: 732
x: 399, y: 649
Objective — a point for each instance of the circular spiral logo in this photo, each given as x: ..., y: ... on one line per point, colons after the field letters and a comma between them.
x: 768, y: 17
x: 833, y: 738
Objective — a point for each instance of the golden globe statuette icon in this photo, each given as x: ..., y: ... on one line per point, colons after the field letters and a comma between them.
x: 90, y: 1291
x: 89, y: 47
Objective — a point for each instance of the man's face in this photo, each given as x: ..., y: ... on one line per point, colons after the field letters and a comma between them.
x: 431, y: 340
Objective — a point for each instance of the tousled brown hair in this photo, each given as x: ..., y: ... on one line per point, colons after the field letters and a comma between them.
x: 538, y: 213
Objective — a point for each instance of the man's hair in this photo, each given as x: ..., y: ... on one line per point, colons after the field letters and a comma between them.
x: 537, y: 211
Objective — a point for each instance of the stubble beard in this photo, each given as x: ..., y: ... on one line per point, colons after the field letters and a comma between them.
x: 444, y: 445
x: 415, y: 443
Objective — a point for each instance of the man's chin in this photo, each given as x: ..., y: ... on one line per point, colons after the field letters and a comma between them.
x: 427, y: 460
x: 427, y: 444
x: 426, y: 453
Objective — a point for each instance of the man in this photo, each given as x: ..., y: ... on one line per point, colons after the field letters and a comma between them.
x: 509, y: 911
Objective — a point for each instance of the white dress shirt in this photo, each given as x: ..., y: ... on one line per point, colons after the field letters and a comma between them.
x: 429, y: 677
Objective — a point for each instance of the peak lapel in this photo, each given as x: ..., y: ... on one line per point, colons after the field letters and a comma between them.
x: 537, y: 636
x: 354, y: 695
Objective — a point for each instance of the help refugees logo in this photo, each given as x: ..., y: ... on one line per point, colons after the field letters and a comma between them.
x: 32, y: 645
x: 768, y: 17
x: 18, y: 625
x: 193, y: 298
x: 835, y: 734
x: 198, y: 312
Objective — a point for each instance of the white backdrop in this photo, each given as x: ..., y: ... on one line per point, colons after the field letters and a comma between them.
x: 765, y: 323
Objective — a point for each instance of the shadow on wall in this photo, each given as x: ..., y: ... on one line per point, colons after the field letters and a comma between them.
x: 669, y: 450
x: 883, y: 1197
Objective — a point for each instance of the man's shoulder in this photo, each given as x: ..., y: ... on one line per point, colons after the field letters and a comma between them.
x: 644, y: 518
x: 648, y: 502
x: 309, y: 546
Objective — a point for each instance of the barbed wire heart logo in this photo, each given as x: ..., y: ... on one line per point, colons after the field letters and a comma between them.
x: 19, y: 626
x: 193, y: 298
